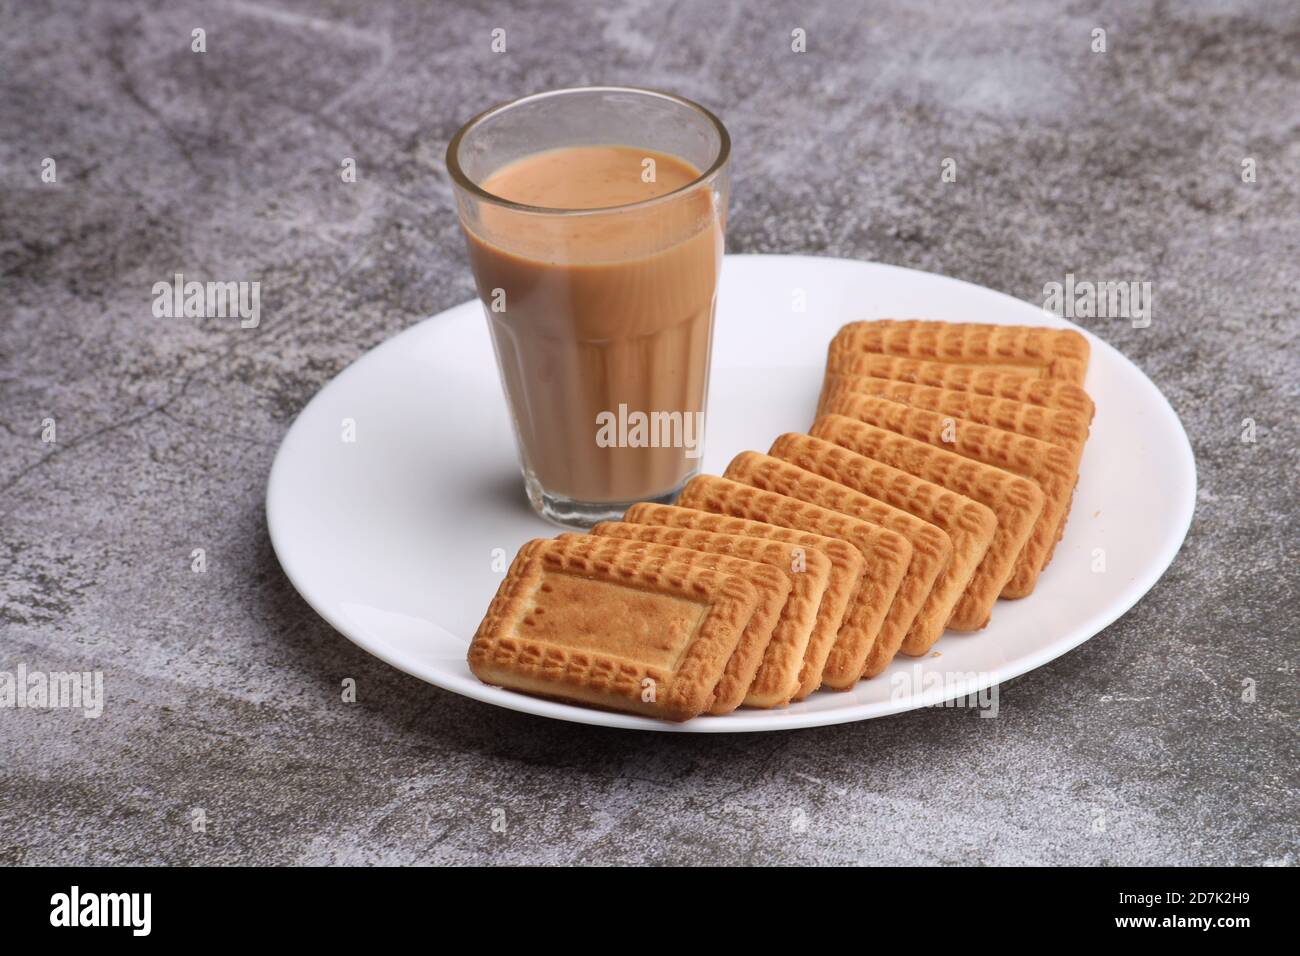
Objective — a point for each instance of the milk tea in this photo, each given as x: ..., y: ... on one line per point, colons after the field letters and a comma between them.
x: 602, y: 320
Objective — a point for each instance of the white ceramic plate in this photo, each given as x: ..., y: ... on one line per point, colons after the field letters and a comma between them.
x: 391, y: 537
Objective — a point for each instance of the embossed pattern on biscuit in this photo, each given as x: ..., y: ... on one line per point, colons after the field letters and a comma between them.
x: 970, y: 526
x: 1060, y: 427
x: 1016, y: 502
x: 887, y: 556
x: 931, y: 547
x: 1032, y: 350
x: 1053, y: 468
x: 981, y: 380
x: 1057, y: 426
x: 773, y: 680
x: 773, y: 586
x: 846, y: 568
x: 633, y: 634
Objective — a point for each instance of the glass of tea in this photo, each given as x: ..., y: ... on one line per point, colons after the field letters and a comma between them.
x: 595, y: 220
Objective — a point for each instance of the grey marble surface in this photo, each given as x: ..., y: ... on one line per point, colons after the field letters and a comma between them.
x: 223, y: 688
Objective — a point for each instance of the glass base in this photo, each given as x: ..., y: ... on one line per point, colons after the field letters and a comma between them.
x: 584, y: 514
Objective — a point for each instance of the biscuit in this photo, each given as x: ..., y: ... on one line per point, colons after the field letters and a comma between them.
x: 1032, y: 350
x: 1060, y: 427
x: 772, y: 679
x: 1053, y: 468
x: 1056, y: 426
x: 773, y: 586
x: 931, y: 548
x: 982, y: 380
x: 887, y: 556
x: 623, y: 631
x: 970, y: 526
x: 846, y: 566
x: 1015, y: 501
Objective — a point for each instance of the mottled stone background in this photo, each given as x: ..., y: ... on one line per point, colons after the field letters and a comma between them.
x: 223, y: 688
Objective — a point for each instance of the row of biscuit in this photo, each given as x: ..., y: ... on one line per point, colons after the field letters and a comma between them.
x: 936, y: 478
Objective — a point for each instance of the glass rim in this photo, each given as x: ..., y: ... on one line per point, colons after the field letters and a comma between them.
x: 464, y: 182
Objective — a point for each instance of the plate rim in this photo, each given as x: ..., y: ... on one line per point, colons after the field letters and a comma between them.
x: 779, y: 720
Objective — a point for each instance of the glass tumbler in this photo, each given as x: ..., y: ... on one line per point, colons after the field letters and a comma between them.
x: 601, y: 315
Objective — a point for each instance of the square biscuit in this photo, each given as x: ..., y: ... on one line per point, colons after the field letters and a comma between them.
x: 931, y: 547
x: 846, y: 567
x: 772, y: 680
x: 622, y: 632
x: 981, y: 380
x: 1053, y: 468
x: 886, y: 555
x: 970, y: 526
x: 1016, y: 502
x: 1032, y: 350
x: 773, y: 588
x: 1058, y: 426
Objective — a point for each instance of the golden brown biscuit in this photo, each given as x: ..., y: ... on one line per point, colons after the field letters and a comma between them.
x: 931, y: 548
x: 1033, y: 350
x: 846, y: 567
x: 773, y: 587
x: 887, y: 556
x: 982, y: 380
x: 626, y: 631
x: 774, y: 679
x: 1053, y: 468
x: 1017, y: 502
x: 1057, y: 426
x: 1060, y: 427
x: 970, y: 526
